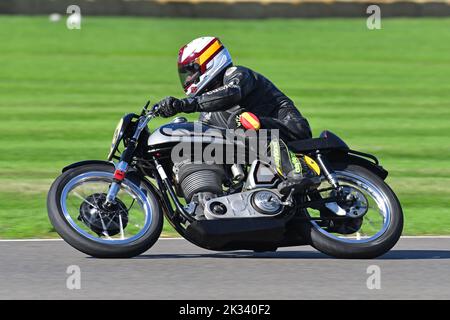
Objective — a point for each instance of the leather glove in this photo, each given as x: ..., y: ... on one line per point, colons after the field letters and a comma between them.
x: 170, y: 106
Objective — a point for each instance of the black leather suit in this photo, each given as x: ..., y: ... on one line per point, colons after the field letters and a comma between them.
x: 249, y: 90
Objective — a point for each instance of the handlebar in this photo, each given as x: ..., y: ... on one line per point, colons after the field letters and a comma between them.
x: 155, y: 110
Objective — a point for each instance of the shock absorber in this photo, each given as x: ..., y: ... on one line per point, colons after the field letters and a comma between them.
x: 329, y: 174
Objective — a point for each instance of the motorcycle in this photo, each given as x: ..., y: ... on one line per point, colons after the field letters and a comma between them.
x: 116, y: 208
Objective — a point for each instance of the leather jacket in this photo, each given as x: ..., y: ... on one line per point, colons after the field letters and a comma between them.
x: 243, y: 88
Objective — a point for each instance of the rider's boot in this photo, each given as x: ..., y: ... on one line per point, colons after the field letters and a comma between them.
x: 298, y: 178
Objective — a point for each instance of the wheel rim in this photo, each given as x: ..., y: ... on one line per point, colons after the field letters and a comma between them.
x: 139, y: 216
x: 378, y: 217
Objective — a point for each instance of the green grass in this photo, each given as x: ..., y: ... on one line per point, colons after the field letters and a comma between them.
x: 384, y: 91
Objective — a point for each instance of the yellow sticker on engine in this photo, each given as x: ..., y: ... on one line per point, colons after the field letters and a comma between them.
x: 312, y: 164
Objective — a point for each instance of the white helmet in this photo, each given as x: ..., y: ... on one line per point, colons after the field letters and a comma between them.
x: 200, y: 62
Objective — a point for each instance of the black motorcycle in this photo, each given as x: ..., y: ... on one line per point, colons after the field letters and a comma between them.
x: 115, y: 209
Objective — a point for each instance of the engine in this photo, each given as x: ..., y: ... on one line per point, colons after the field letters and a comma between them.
x: 250, y: 204
x: 202, y: 187
x: 194, y: 179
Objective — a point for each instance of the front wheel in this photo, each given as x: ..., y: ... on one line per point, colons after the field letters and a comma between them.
x: 375, y: 227
x: 77, y: 210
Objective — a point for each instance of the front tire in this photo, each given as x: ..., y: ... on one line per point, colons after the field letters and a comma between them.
x: 340, y: 248
x: 88, y: 245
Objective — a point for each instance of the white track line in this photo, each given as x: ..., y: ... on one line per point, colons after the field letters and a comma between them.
x: 49, y: 240
x: 425, y: 237
x: 29, y: 240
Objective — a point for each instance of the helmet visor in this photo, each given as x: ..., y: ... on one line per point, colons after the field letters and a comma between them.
x: 189, y: 74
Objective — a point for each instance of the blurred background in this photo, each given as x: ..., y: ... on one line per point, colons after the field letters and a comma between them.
x: 384, y: 91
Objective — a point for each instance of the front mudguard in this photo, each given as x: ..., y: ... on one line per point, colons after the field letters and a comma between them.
x: 360, y: 159
x: 132, y: 175
x: 86, y: 162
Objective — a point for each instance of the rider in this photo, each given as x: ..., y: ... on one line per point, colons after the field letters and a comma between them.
x: 221, y: 91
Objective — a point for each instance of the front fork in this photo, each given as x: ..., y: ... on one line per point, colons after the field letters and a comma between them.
x: 125, y: 159
x: 119, y: 176
x: 120, y: 172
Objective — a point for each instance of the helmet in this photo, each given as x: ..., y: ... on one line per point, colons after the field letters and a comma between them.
x: 200, y: 62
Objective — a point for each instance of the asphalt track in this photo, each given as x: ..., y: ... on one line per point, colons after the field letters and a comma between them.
x: 417, y: 268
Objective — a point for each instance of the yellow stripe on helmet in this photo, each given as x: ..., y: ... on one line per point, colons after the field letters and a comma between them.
x: 209, y: 52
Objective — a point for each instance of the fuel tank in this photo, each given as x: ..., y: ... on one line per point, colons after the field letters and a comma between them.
x: 180, y: 130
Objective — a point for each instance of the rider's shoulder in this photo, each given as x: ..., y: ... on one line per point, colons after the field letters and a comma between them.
x: 234, y: 71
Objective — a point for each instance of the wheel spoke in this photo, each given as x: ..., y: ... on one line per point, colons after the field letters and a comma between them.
x: 122, y: 236
x: 370, y: 221
x: 105, y: 231
x: 110, y: 221
x: 368, y: 197
x: 131, y: 205
x: 125, y: 221
x: 84, y: 200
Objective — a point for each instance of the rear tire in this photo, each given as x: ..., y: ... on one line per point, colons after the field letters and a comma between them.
x: 88, y: 246
x: 367, y: 250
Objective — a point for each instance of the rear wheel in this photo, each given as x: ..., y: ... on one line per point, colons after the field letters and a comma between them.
x: 376, y: 221
x: 76, y: 208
